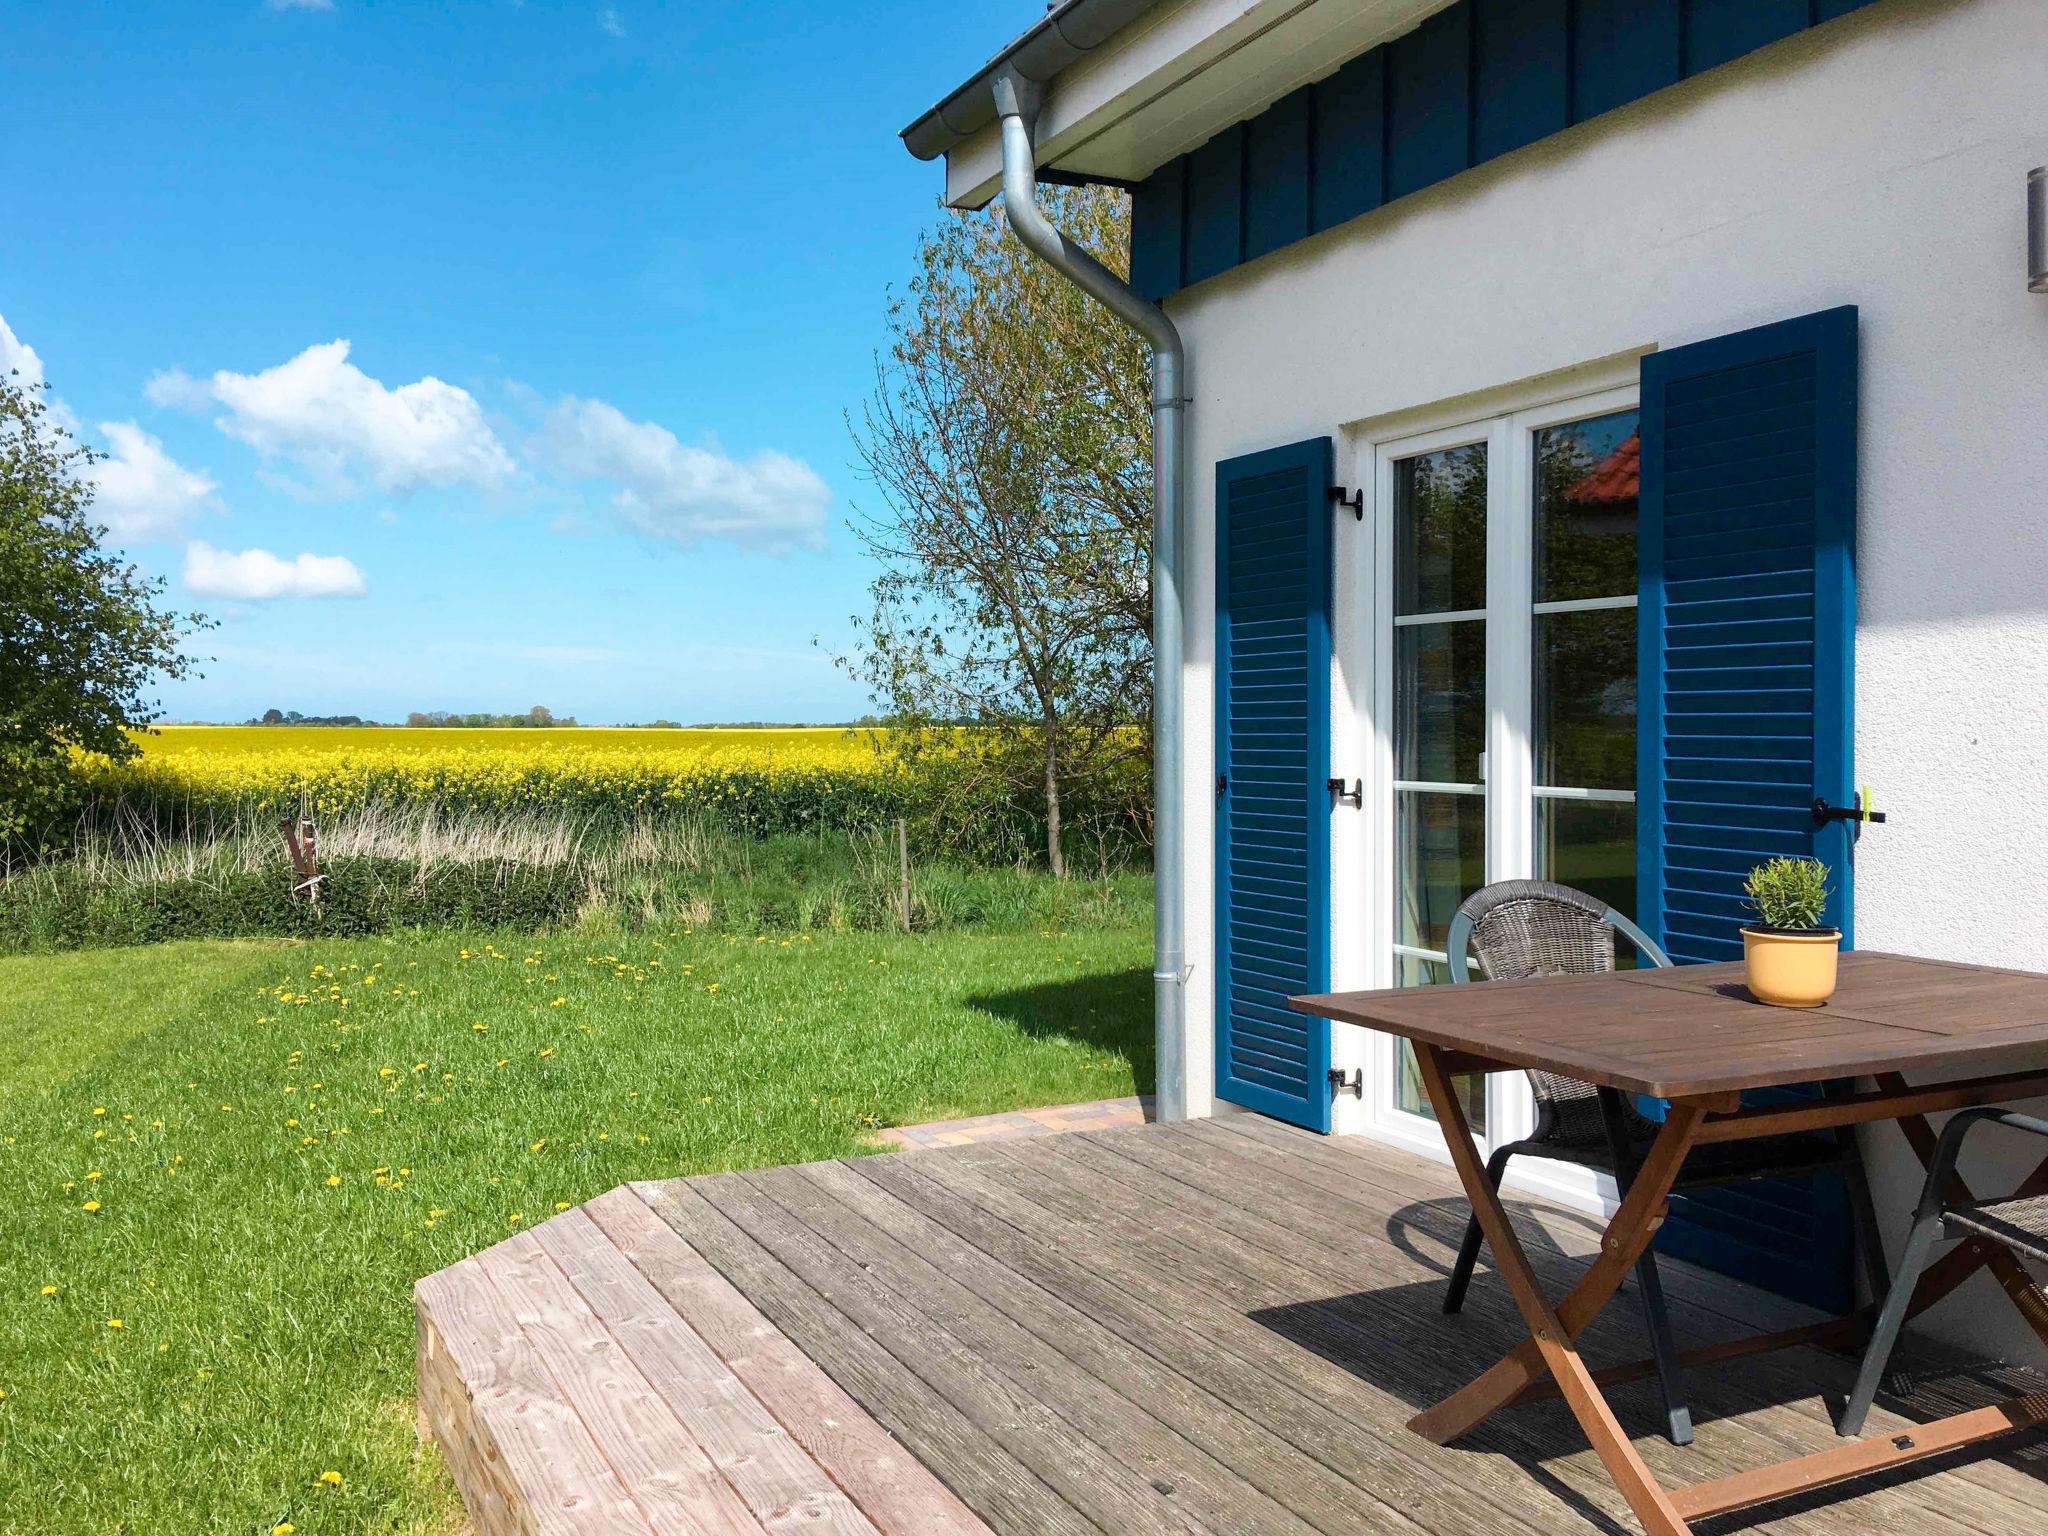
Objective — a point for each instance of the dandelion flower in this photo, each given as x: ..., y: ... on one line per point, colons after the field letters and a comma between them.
x: 283, y: 1528
x: 333, y: 1179
x: 561, y: 1205
x: 116, y: 1323
x: 99, y: 1109
x: 90, y: 1205
x: 330, y: 1477
x: 49, y: 1290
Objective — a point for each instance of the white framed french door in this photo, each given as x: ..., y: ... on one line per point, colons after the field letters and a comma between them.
x: 1492, y: 664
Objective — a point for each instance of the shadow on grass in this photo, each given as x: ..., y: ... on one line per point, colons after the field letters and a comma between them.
x: 1108, y: 1011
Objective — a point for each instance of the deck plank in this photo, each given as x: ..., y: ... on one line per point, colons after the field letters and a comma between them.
x: 1253, y: 1367
x: 896, y: 1491
x: 782, y: 1486
x: 1133, y: 1419
x: 555, y: 1479
x: 1119, y: 1357
x: 664, y: 1469
x: 971, y: 1460
x: 1085, y: 1474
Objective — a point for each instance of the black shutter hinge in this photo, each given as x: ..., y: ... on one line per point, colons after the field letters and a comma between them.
x: 1222, y: 782
x: 1352, y: 1082
x: 1352, y: 796
x: 1351, y: 501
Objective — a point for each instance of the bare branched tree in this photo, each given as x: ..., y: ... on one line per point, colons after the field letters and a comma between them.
x: 1008, y: 433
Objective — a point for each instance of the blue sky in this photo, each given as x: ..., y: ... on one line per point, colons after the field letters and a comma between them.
x: 528, y: 326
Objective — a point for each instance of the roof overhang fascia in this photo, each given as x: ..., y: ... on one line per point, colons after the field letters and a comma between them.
x: 1178, y: 72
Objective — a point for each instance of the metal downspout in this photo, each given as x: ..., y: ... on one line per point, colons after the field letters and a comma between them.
x: 1017, y: 102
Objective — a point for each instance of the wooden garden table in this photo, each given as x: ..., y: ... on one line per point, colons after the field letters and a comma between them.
x: 1694, y: 1036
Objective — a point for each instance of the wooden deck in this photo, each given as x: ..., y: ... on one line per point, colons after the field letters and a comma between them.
x: 1212, y: 1327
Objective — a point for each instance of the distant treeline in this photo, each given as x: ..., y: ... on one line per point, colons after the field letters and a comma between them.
x: 540, y: 717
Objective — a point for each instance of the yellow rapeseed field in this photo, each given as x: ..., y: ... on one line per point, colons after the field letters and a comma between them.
x: 760, y: 780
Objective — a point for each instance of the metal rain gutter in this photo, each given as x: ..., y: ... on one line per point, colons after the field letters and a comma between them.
x: 1015, y: 100
x: 1067, y: 32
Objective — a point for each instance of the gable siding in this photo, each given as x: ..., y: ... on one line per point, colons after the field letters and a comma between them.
x: 1474, y: 81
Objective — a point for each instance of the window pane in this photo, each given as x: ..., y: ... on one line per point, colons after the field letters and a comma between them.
x: 1440, y: 701
x: 1410, y: 1095
x: 1440, y: 531
x: 1587, y: 477
x: 1586, y: 699
x: 1439, y: 860
x: 1590, y: 844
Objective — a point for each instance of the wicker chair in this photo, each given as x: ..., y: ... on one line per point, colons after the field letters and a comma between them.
x: 2019, y: 1222
x: 1524, y: 928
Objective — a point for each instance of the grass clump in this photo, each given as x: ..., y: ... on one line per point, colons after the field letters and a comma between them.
x: 393, y: 868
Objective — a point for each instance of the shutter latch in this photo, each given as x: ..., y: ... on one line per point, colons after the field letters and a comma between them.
x: 1352, y: 796
x: 1352, y: 1082
x: 1823, y: 813
x: 1351, y: 501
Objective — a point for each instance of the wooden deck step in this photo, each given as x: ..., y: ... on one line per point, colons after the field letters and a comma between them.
x: 596, y: 1375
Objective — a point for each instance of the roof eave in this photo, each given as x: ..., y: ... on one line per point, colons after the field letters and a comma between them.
x: 1069, y: 31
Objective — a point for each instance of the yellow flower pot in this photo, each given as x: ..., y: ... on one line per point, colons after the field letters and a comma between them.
x: 1791, y: 968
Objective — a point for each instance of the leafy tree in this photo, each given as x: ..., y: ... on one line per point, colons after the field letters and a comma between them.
x: 81, y: 632
x: 272, y: 717
x: 1008, y: 432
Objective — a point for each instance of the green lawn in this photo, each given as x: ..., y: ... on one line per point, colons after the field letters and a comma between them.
x: 281, y: 1138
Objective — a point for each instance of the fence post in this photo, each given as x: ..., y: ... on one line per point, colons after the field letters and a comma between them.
x: 903, y: 867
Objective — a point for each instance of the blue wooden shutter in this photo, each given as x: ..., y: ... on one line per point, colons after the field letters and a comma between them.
x: 1273, y: 521
x: 1746, y: 633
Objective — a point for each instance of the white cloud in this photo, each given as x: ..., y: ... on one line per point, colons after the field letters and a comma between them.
x: 256, y: 574
x: 300, y: 5
x: 673, y: 490
x: 327, y: 414
x: 140, y: 492
x: 178, y: 390
x: 18, y: 357
x: 610, y: 22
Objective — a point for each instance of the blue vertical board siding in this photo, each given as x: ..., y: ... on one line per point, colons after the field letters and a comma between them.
x: 1158, y: 213
x: 1472, y: 82
x: 1622, y: 51
x: 1215, y: 195
x: 1521, y: 74
x: 1719, y: 30
x: 1348, y: 142
x: 1276, y: 175
x: 1273, y: 582
x: 1746, y: 655
x: 1429, y: 102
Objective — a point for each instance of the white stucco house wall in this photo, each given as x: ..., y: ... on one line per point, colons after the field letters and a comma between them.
x: 1441, y: 238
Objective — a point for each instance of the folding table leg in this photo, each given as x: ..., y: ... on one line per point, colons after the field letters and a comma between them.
x: 1552, y: 1332
x: 1628, y: 1233
x: 1656, y: 1317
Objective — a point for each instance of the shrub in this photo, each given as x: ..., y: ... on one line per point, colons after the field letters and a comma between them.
x: 1788, y: 893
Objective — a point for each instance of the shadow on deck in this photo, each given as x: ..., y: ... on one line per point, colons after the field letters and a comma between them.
x: 1220, y: 1326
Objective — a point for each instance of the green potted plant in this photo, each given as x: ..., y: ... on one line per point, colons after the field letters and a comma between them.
x: 1788, y: 954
